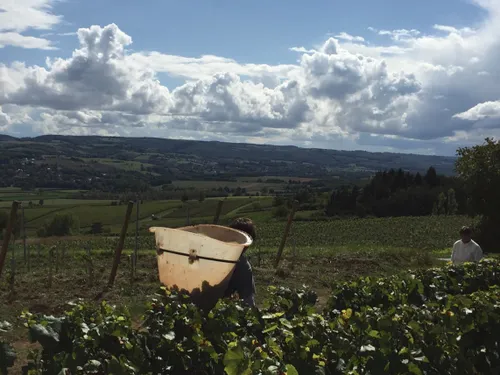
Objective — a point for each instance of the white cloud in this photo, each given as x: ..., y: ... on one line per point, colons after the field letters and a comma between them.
x: 205, y: 66
x: 29, y: 42
x: 454, y: 30
x: 417, y: 92
x: 397, y: 35
x: 481, y: 111
x: 302, y: 50
x: 17, y: 16
x: 344, y: 36
x: 97, y: 76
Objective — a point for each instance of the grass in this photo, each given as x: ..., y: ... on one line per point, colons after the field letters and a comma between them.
x: 250, y: 185
x: 121, y: 164
x: 208, y: 207
x: 107, y: 215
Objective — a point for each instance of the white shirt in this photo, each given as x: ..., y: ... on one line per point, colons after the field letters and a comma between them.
x: 466, y: 252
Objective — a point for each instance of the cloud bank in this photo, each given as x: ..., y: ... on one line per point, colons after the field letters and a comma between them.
x: 417, y: 92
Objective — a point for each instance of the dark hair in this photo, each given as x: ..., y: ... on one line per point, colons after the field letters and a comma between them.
x: 246, y: 225
x: 465, y: 230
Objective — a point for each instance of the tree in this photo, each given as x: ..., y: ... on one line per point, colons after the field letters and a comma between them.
x: 452, y: 205
x: 479, y: 169
x: 184, y: 197
x: 280, y: 211
x: 431, y: 177
x: 202, y: 196
x: 40, y: 202
x: 96, y: 228
x: 441, y: 204
x: 60, y: 225
x: 418, y: 179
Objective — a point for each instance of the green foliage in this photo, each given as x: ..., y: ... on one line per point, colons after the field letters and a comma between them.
x: 415, y: 288
x: 280, y: 211
x: 60, y: 225
x: 397, y: 193
x: 96, y: 228
x: 479, y: 168
x: 441, y: 204
x: 184, y: 197
x: 452, y: 205
x: 438, y: 321
x: 430, y: 232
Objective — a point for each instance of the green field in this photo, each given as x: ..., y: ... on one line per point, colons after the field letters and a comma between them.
x: 317, y: 253
x: 167, y: 213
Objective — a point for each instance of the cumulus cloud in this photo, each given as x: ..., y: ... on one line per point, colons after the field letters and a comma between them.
x: 351, y: 38
x: 28, y: 42
x: 17, y: 16
x: 96, y: 76
x: 397, y: 35
x: 417, y: 92
x: 481, y: 111
x: 206, y: 66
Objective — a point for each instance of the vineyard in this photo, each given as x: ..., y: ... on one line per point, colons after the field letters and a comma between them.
x: 436, y: 321
x: 427, y: 233
x: 43, y: 276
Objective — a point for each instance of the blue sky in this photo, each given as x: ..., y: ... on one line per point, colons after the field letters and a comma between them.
x: 381, y: 75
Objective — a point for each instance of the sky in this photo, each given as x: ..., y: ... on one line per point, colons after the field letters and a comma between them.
x: 376, y: 75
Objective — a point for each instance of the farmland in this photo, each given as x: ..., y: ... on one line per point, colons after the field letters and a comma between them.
x: 319, y: 253
x: 436, y: 321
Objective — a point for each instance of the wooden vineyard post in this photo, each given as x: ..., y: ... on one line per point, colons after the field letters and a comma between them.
x: 136, y: 248
x: 119, y: 247
x: 12, y: 270
x: 23, y: 229
x: 51, y: 262
x: 90, y: 266
x: 8, y: 233
x: 285, y: 234
x: 219, y: 210
x: 131, y: 263
x: 28, y: 252
x: 57, y: 260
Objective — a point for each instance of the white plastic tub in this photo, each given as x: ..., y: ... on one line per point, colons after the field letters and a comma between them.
x: 199, y: 259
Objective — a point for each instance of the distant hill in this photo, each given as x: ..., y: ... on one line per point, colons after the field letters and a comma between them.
x: 81, y: 160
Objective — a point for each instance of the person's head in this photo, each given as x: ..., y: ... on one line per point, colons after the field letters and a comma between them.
x: 465, y: 233
x: 246, y: 225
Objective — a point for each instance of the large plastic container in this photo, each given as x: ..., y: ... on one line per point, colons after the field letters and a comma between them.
x: 199, y: 259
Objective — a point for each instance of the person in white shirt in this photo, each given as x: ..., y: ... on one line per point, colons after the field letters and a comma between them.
x: 466, y: 250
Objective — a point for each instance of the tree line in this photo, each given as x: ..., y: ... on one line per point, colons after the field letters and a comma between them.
x: 398, y: 193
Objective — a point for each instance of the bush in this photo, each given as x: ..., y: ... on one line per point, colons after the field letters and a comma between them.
x: 485, y: 234
x: 60, y: 225
x: 280, y: 211
x: 437, y: 321
x: 256, y: 206
x: 96, y: 228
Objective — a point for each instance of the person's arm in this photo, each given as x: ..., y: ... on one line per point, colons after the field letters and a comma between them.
x: 478, y: 254
x: 246, y: 284
x: 454, y: 253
